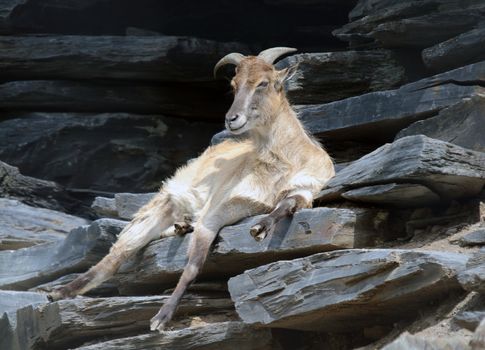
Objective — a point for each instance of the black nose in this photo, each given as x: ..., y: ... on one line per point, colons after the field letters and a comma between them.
x: 233, y: 118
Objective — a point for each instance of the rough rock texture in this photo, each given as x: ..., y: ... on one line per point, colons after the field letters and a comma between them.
x: 354, y: 72
x: 222, y: 336
x: 344, y: 290
x: 36, y: 192
x: 12, y: 301
x: 400, y: 195
x: 468, y: 114
x: 153, y: 58
x: 310, y: 231
x: 448, y: 170
x: 25, y: 268
x: 463, y: 49
x: 108, y: 96
x: 24, y: 226
x: 127, y: 204
x: 107, y: 152
x: 469, y: 319
x: 409, y: 341
x: 476, y: 237
x: 73, y: 322
x: 473, y: 278
x: 380, y: 115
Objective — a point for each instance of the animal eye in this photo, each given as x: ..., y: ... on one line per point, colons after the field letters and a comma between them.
x: 263, y: 84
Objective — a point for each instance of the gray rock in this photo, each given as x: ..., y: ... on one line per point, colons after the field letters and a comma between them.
x: 70, y: 323
x: 127, y: 204
x: 152, y: 58
x: 83, y: 247
x: 469, y: 319
x: 473, y: 278
x: 449, y: 170
x: 461, y: 50
x: 473, y: 238
x: 346, y: 290
x: 36, y: 192
x: 6, y: 8
x: 408, y: 341
x: 399, y: 195
x: 12, y: 301
x: 108, y: 152
x: 380, y: 115
x: 310, y: 231
x: 107, y: 288
x: 25, y: 226
x: 468, y: 114
x: 107, y: 96
x: 221, y: 335
x: 105, y: 207
x: 330, y: 76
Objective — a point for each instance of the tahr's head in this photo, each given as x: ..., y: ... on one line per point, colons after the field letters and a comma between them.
x: 258, y: 89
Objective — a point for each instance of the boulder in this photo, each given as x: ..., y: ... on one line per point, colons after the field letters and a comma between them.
x: 108, y: 152
x: 469, y: 319
x: 449, y: 170
x: 308, y: 232
x: 473, y: 278
x: 83, y: 247
x: 408, y: 341
x: 127, y: 204
x: 380, y: 115
x: 104, y: 207
x: 466, y: 48
x: 330, y: 76
x: 345, y: 290
x: 221, y: 335
x: 468, y: 113
x: 150, y: 58
x: 399, y: 195
x: 108, y: 96
x: 70, y: 323
x: 25, y: 226
x: 11, y: 301
x: 476, y: 237
x: 38, y: 193
x: 107, y: 288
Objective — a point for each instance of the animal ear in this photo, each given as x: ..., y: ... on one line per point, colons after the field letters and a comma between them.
x: 286, y: 74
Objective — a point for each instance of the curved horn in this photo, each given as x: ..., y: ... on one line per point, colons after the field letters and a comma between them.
x: 232, y: 58
x: 271, y: 55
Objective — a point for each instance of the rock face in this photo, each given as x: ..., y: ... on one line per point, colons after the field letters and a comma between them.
x: 354, y: 72
x: 25, y: 268
x: 467, y: 113
x: 310, y: 231
x: 107, y: 152
x: 25, y: 226
x: 473, y: 278
x: 344, y: 290
x: 449, y: 170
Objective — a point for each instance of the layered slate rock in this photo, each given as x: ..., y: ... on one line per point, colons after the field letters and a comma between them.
x: 345, y: 290
x: 11, y: 301
x: 123, y: 205
x: 380, y: 115
x: 36, y: 192
x: 448, y: 170
x: 152, y: 58
x: 330, y: 76
x: 25, y: 226
x: 221, y: 335
x: 69, y: 323
x: 109, y: 96
x: 468, y: 114
x: 473, y: 278
x: 108, y: 152
x: 463, y: 49
x: 83, y: 247
x: 409, y: 341
x: 394, y: 23
x: 399, y: 195
x: 308, y: 232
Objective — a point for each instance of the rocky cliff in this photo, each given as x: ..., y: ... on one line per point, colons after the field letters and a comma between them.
x: 100, y: 100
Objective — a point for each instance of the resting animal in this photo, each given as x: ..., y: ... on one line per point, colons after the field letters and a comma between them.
x: 277, y: 170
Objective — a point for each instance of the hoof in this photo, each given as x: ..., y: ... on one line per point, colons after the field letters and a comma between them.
x: 262, y: 229
x: 160, y: 320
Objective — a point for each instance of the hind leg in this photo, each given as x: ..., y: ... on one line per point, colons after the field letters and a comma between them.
x: 147, y: 225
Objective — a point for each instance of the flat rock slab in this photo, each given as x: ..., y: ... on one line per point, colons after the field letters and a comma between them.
x: 330, y: 76
x: 222, y: 336
x: 83, y: 247
x: 127, y: 204
x: 12, y: 301
x: 69, y: 323
x: 25, y: 226
x: 466, y: 48
x: 468, y: 114
x: 469, y: 319
x: 382, y: 114
x: 153, y: 58
x: 310, y: 231
x: 473, y: 278
x: 409, y: 341
x: 473, y: 238
x: 399, y: 195
x: 448, y: 170
x: 344, y: 290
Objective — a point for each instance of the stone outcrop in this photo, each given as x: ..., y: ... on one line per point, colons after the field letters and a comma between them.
x: 473, y: 278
